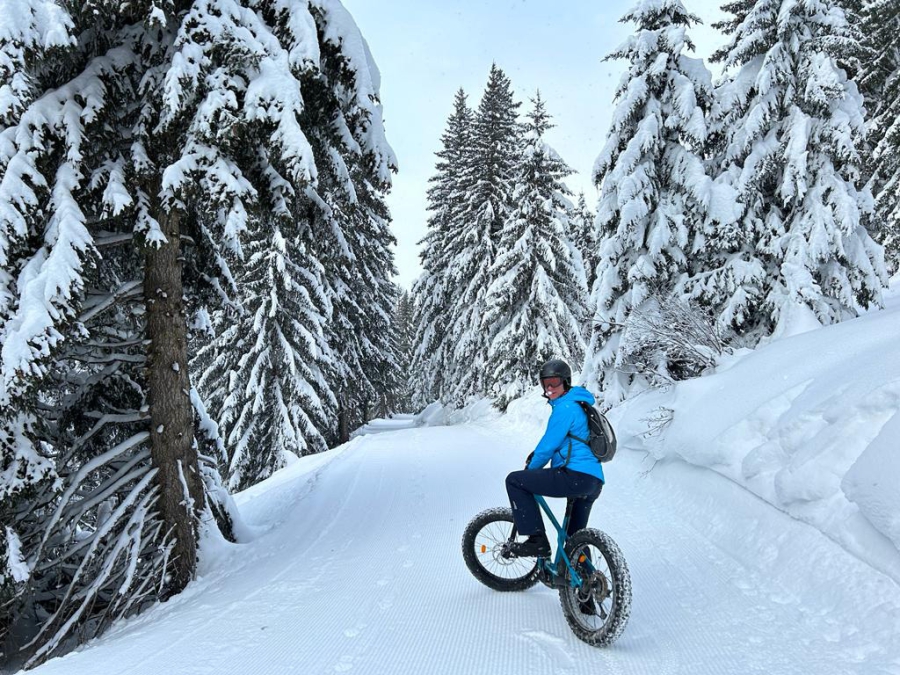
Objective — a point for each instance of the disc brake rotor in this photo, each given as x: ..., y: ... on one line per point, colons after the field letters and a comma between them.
x: 595, y: 586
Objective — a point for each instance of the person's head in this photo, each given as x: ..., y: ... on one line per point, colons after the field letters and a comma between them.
x: 556, y: 378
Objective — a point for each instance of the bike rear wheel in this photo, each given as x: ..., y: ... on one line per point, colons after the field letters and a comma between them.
x: 482, y: 546
x: 598, y: 610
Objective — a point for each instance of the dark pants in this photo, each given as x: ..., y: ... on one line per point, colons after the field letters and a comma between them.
x: 582, y: 489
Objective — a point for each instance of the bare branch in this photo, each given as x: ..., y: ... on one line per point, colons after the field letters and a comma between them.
x: 108, y: 418
x: 110, y: 358
x: 666, y: 340
x: 113, y: 239
x: 75, y: 481
x: 107, y: 490
x: 130, y: 288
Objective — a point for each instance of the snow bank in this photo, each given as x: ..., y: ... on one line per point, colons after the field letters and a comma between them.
x: 527, y: 415
x: 871, y: 483
x: 808, y: 423
x: 434, y: 415
x: 265, y: 505
x: 476, y: 411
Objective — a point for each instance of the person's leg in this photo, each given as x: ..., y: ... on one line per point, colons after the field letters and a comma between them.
x: 521, y: 486
x: 579, y: 512
x: 524, y: 508
x: 587, y: 489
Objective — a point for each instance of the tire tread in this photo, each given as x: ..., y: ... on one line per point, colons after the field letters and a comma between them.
x: 621, y: 609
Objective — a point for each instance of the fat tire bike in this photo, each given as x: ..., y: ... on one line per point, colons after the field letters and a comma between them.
x: 588, y: 570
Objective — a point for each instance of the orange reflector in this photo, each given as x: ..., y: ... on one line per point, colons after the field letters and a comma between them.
x: 582, y: 558
x: 483, y: 548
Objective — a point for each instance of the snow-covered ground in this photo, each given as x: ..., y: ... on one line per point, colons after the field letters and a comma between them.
x: 760, y: 526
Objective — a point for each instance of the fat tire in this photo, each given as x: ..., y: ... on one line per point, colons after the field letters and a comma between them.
x: 478, y: 570
x: 621, y: 586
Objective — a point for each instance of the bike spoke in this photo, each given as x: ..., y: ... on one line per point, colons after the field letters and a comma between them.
x: 488, y: 545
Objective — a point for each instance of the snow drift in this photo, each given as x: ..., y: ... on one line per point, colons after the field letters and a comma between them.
x: 808, y: 423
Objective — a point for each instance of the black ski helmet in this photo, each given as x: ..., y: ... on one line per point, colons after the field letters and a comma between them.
x: 557, y: 368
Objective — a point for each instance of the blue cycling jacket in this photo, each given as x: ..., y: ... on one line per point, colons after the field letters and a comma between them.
x: 567, y: 416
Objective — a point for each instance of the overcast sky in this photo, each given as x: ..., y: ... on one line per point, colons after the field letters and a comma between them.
x: 427, y: 49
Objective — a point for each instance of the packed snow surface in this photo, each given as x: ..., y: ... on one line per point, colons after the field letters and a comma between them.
x: 356, y: 567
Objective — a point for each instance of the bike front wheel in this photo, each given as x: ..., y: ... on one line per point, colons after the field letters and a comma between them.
x: 598, y: 610
x: 482, y: 546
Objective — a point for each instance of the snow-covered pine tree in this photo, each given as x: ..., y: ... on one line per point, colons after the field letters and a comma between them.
x: 265, y: 376
x: 655, y: 194
x: 538, y: 297
x: 347, y: 212
x: 151, y: 134
x: 31, y: 33
x: 788, y: 124
x: 100, y: 370
x: 584, y: 235
x: 880, y: 85
x: 366, y: 345
x: 403, y: 329
x: 492, y: 166
x: 317, y: 261
x: 435, y: 290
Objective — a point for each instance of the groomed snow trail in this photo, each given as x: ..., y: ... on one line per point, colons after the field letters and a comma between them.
x: 360, y: 572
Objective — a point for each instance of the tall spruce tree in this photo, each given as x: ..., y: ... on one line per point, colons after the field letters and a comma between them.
x: 655, y: 195
x: 534, y: 306
x: 265, y: 376
x: 491, y: 167
x: 789, y: 124
x: 146, y: 150
x: 403, y: 330
x: 880, y: 85
x: 95, y: 348
x: 348, y: 214
x: 436, y: 289
x: 366, y: 300
x: 584, y: 235
x: 26, y: 469
x: 307, y: 349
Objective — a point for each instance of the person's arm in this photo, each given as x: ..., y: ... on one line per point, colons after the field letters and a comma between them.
x: 557, y: 429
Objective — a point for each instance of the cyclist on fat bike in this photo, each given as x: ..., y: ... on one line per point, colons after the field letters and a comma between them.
x: 574, y: 471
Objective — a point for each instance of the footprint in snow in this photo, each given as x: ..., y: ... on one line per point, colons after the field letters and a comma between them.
x: 552, y: 647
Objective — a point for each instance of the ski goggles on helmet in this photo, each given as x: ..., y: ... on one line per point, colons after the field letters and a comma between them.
x: 551, y: 382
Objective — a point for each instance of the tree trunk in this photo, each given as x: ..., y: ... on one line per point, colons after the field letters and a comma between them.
x: 343, y: 419
x: 171, y: 413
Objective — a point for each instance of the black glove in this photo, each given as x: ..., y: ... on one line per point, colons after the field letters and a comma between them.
x: 528, y: 459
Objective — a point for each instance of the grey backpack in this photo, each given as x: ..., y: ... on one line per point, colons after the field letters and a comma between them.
x: 601, y: 437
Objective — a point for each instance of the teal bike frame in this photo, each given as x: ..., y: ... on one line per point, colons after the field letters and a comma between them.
x: 560, y: 561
